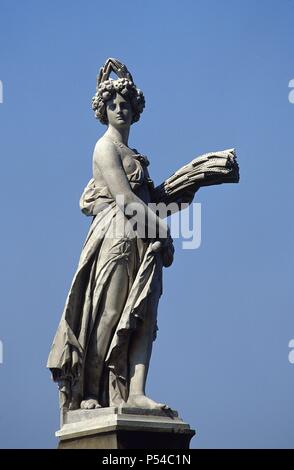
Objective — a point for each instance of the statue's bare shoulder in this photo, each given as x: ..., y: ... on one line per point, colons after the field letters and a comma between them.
x: 108, y: 167
x: 105, y: 156
x: 105, y: 151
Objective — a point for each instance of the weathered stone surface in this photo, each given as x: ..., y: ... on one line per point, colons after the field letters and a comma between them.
x: 121, y: 427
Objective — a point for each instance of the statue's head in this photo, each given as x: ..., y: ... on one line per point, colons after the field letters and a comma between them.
x: 120, y: 92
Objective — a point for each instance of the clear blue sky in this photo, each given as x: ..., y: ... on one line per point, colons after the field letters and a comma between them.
x: 215, y: 74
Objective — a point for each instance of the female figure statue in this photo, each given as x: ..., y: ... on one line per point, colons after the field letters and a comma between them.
x: 101, y: 351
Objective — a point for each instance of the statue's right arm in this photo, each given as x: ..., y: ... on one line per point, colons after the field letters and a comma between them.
x: 108, y: 161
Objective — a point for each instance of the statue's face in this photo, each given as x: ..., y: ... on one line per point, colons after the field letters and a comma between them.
x: 119, y: 111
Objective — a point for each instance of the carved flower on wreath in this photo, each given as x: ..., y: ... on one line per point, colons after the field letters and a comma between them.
x: 102, y: 86
x: 116, y: 85
x: 106, y: 95
x: 95, y: 101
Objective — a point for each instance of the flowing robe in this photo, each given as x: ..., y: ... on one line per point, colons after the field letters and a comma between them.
x: 111, y: 240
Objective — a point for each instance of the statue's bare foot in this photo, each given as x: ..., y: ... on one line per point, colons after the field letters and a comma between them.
x: 141, y: 401
x: 90, y: 404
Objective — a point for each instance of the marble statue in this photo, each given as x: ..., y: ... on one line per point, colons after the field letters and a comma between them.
x: 101, y: 351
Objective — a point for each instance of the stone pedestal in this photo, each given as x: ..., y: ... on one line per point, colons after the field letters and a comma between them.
x: 123, y: 428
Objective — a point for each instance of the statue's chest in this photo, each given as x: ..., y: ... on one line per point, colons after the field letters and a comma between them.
x: 130, y: 164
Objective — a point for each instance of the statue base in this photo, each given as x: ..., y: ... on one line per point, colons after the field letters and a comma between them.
x: 123, y: 428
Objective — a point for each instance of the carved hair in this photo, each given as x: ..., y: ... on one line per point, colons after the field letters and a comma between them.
x: 124, y: 85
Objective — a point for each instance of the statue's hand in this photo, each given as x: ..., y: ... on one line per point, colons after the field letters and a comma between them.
x: 168, y: 252
x: 166, y: 247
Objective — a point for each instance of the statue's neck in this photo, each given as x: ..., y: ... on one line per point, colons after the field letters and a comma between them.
x: 118, y: 135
